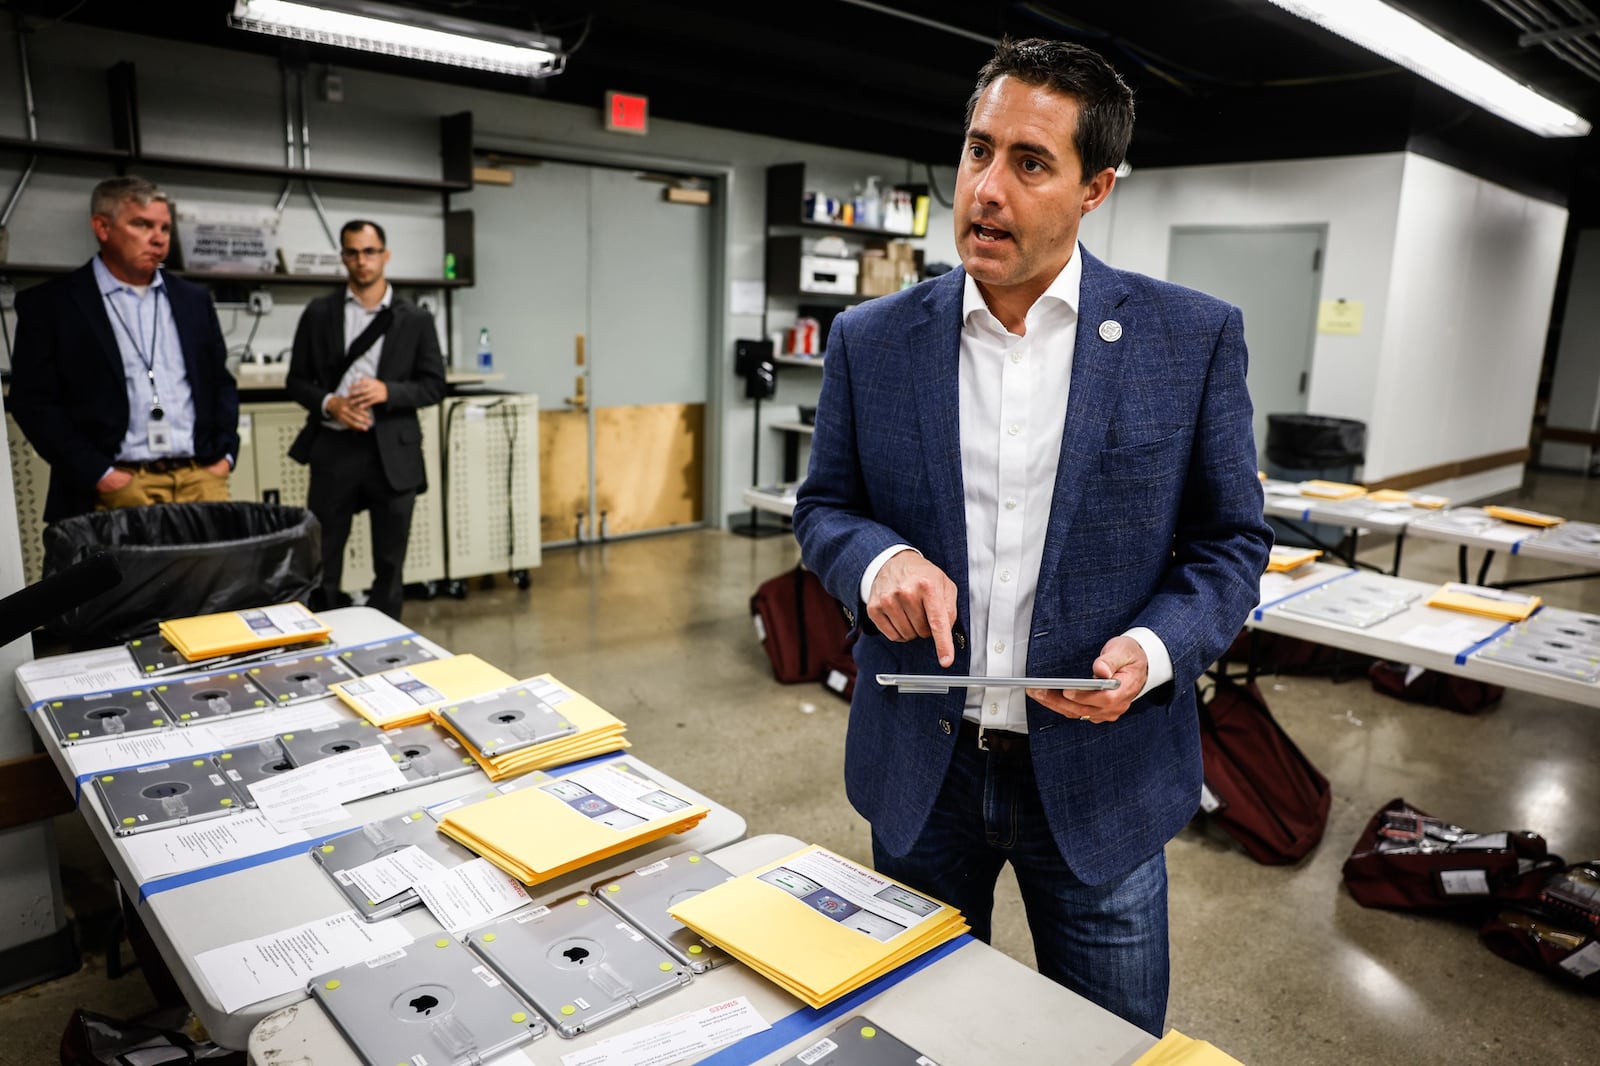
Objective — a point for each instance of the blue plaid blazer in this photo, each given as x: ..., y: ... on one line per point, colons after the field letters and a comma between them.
x: 1156, y: 520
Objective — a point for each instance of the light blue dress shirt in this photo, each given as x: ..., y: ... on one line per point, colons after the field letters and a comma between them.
x: 135, y: 318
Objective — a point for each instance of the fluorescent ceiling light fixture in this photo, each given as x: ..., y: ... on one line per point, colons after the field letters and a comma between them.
x: 1400, y: 38
x: 405, y: 33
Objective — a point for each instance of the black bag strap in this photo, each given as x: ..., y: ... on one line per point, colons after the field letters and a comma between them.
x: 365, y: 340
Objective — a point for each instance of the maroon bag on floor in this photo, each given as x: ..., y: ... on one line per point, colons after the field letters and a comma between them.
x: 1415, y: 685
x: 1407, y: 860
x: 839, y: 675
x: 799, y: 624
x: 1557, y: 933
x: 1259, y: 787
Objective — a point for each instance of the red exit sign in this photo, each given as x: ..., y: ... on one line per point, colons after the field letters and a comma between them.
x: 627, y: 113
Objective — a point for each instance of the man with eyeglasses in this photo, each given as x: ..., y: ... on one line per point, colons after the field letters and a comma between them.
x: 119, y: 376
x: 364, y: 362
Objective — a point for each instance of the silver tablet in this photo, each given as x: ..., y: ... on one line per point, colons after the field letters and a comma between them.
x: 946, y: 682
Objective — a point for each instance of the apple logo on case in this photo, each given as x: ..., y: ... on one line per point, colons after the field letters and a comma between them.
x: 576, y: 954
x: 423, y: 1004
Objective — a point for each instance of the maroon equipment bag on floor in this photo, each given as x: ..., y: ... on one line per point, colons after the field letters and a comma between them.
x: 1415, y: 685
x: 839, y: 675
x: 800, y: 625
x: 1258, y: 786
x: 1407, y: 860
x: 1559, y: 932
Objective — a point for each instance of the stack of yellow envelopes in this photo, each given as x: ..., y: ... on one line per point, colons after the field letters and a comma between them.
x: 1285, y: 558
x: 230, y: 632
x: 1175, y: 1049
x: 1491, y: 603
x: 1522, y: 517
x: 563, y: 823
x: 407, y: 694
x: 1331, y: 490
x: 819, y: 925
x: 1432, y: 503
x: 537, y: 704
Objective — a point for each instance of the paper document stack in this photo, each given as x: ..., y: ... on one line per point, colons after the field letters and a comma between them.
x: 1331, y: 490
x: 406, y: 695
x: 537, y: 724
x: 560, y: 824
x: 818, y: 925
x: 1522, y: 517
x: 1285, y: 558
x: 230, y: 632
x: 1431, y: 503
x: 1491, y: 603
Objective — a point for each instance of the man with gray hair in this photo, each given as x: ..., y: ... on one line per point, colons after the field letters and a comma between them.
x: 118, y: 377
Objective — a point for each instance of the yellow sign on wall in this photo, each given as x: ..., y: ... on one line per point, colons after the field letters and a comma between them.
x: 1340, y: 316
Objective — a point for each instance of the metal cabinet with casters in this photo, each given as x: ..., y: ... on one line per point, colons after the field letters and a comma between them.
x: 490, y: 457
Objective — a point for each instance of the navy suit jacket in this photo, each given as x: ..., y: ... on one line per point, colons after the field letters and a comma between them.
x: 68, y: 390
x: 1156, y: 520
x: 409, y: 365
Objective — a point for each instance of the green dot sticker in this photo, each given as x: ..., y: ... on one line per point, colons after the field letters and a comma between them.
x: 695, y: 949
x: 158, y: 721
x: 74, y: 736
x: 489, y: 938
x: 55, y: 703
x: 613, y: 887
x: 288, y: 736
x: 568, y: 1009
x: 129, y: 821
x: 227, y: 803
x: 415, y: 815
x: 150, y: 668
x: 227, y: 755
x: 665, y: 967
x: 583, y: 902
x: 442, y: 942
x: 868, y: 1032
x: 694, y: 858
x: 199, y: 762
x: 518, y: 1018
x: 332, y: 985
x: 327, y: 849
x: 109, y: 777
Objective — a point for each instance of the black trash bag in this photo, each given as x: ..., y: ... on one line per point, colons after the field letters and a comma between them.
x: 185, y: 559
x: 1315, y: 442
x: 162, y: 1037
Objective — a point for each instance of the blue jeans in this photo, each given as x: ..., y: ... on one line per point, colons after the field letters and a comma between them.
x: 1108, y: 943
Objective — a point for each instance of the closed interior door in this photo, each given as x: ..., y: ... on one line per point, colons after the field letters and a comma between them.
x: 1273, y: 274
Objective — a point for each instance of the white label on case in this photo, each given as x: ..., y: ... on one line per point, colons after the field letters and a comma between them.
x: 1464, y: 882
x: 837, y: 681
x: 628, y: 929
x: 653, y: 868
x: 1208, y: 799
x: 216, y: 780
x: 1583, y: 962
x: 761, y: 628
x: 1412, y: 673
x: 818, y: 1051
x: 582, y: 1003
x: 486, y: 977
x: 343, y: 877
x: 923, y: 1060
x: 532, y: 914
x: 388, y: 956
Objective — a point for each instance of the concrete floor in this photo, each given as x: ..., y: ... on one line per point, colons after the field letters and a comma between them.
x: 1272, y: 964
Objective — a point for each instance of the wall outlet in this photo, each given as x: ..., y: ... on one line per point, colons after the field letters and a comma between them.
x: 260, y: 302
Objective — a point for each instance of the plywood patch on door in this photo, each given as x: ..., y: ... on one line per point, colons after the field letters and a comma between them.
x: 650, y: 466
x: 564, y: 465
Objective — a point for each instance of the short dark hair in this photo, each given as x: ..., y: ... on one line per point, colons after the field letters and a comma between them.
x: 1105, y: 103
x: 356, y: 225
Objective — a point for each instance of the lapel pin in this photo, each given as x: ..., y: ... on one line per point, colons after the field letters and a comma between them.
x: 1111, y: 331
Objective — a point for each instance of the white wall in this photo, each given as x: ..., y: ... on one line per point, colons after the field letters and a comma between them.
x: 1469, y: 308
x: 210, y: 102
x: 1456, y: 275
x: 1575, y: 385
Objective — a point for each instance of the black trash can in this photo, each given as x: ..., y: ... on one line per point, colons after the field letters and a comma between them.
x: 1304, y: 447
x: 185, y: 559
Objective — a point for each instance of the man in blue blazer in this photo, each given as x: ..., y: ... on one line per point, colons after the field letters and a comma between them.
x: 119, y: 376
x: 1038, y: 466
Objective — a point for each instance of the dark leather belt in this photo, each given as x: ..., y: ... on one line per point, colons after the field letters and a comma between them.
x: 159, y: 466
x: 1000, y: 742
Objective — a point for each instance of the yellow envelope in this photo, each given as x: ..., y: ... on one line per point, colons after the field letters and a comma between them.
x: 597, y: 732
x: 1518, y: 515
x: 1491, y: 603
x: 1175, y: 1049
x: 1285, y: 558
x: 406, y: 694
x: 1331, y: 490
x: 1432, y: 503
x: 567, y: 822
x: 818, y: 924
x: 230, y: 632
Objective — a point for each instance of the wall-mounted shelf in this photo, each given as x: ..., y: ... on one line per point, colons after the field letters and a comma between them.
x: 45, y: 270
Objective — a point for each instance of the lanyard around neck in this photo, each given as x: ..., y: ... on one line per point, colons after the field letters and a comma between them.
x: 148, y: 359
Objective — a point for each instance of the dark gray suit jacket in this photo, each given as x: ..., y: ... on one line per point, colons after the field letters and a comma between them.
x: 1156, y: 520
x: 410, y: 365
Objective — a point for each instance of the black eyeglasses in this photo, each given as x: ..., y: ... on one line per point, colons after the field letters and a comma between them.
x: 360, y: 253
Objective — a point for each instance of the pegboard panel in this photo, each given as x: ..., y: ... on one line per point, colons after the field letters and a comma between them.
x: 30, y: 479
x: 492, y: 483
x: 242, y: 481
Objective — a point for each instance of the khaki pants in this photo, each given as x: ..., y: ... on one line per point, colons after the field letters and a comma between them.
x: 190, y: 484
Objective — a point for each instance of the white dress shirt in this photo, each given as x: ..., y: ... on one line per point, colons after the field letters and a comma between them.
x: 356, y: 319
x: 1013, y: 395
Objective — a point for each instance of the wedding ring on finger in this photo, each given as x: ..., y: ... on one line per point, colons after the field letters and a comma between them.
x: 1087, y: 718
